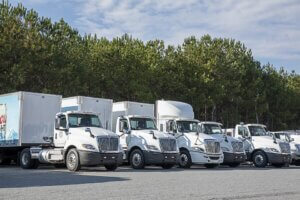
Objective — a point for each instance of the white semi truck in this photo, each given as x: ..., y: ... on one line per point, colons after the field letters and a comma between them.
x: 142, y: 142
x: 294, y: 141
x: 233, y: 148
x: 35, y: 131
x: 177, y: 118
x: 261, y: 147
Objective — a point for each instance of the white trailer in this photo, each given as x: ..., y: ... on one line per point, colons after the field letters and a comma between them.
x: 102, y: 107
x: 33, y: 131
x: 139, y: 137
x: 177, y: 118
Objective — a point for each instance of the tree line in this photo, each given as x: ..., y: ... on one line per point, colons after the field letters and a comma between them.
x: 218, y: 76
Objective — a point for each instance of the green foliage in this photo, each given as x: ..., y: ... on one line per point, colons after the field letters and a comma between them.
x: 219, y: 77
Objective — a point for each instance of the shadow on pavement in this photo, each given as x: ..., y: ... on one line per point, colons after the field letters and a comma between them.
x: 33, y: 178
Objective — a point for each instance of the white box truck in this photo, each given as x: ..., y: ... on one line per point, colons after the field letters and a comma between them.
x: 177, y: 118
x: 102, y: 107
x: 33, y: 131
x: 142, y: 142
x: 261, y: 147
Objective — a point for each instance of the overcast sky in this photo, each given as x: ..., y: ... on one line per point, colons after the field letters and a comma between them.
x: 271, y: 28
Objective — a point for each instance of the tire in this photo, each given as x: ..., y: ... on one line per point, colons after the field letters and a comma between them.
x: 167, y: 166
x: 211, y: 166
x: 260, y: 159
x: 297, y: 162
x: 25, y: 160
x: 72, y: 160
x: 185, y: 160
x: 112, y: 167
x: 60, y: 166
x: 234, y: 164
x: 137, y: 160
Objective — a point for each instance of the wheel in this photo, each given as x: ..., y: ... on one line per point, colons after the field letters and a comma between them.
x: 137, y: 160
x: 260, y: 159
x: 280, y: 165
x: 167, y: 166
x: 72, y: 160
x: 234, y: 164
x: 185, y: 160
x: 60, y: 165
x: 111, y: 167
x: 25, y: 160
x: 297, y: 162
x: 211, y: 166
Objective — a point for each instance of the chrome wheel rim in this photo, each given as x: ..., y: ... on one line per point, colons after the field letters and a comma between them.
x: 183, y: 159
x: 136, y: 159
x: 25, y: 159
x: 72, y: 160
x: 259, y: 159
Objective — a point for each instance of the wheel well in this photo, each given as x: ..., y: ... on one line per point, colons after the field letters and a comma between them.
x: 131, y: 150
x: 67, y: 150
x: 256, y: 150
x: 183, y: 149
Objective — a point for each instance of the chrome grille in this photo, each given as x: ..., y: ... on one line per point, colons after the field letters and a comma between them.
x: 167, y: 144
x: 237, y: 146
x: 285, y: 147
x: 212, y: 146
x: 108, y: 143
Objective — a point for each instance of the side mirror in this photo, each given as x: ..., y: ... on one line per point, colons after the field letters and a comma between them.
x: 57, y: 124
x: 126, y: 131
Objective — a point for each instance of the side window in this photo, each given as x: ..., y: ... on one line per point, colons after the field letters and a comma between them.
x: 123, y: 124
x: 63, y: 121
x: 242, y: 131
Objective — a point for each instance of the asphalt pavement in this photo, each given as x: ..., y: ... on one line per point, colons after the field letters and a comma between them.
x: 223, y: 183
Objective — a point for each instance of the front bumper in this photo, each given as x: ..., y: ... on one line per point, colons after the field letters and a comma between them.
x: 277, y: 158
x: 88, y: 158
x: 157, y: 158
x: 234, y: 157
x: 204, y: 158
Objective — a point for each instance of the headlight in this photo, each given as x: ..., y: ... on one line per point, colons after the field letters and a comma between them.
x: 152, y: 147
x: 273, y: 150
x: 225, y: 149
x: 88, y: 146
x: 199, y: 149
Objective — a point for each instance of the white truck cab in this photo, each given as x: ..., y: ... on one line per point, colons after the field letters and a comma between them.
x: 233, y: 148
x: 261, y: 147
x: 294, y: 141
x: 142, y: 142
x: 80, y: 140
x: 177, y: 118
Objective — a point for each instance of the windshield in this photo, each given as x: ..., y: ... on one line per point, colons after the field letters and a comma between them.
x: 212, y: 129
x: 142, y: 124
x: 257, y: 131
x: 84, y: 120
x: 187, y: 126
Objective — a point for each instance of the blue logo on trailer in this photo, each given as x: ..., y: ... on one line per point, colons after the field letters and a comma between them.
x: 9, y: 120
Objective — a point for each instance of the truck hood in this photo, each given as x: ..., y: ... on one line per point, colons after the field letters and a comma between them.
x: 95, y: 131
x: 264, y: 141
x: 222, y: 138
x: 148, y: 134
x: 194, y: 138
x: 296, y: 138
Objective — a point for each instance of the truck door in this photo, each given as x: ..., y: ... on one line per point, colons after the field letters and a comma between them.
x: 125, y: 138
x: 61, y: 131
x: 244, y: 135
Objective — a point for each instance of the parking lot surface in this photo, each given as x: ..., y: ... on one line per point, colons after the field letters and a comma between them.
x: 245, y: 182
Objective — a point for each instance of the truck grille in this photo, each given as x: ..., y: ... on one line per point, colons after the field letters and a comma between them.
x: 285, y: 147
x: 237, y: 146
x: 212, y: 146
x: 167, y: 144
x: 108, y: 143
